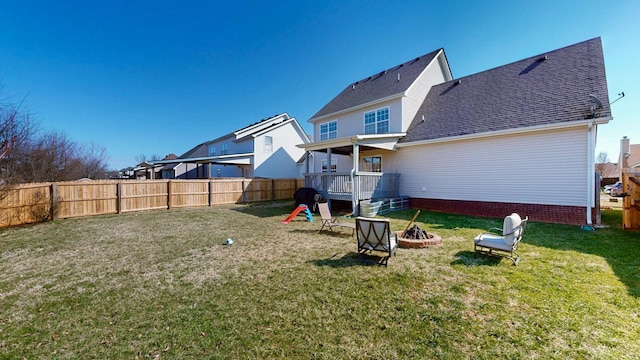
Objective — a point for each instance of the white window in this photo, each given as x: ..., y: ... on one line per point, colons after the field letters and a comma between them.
x: 372, y: 163
x: 212, y: 150
x: 377, y: 121
x: 224, y: 149
x: 268, y: 144
x: 329, y: 130
x: 334, y: 165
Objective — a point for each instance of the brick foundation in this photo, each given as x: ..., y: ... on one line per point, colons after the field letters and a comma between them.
x: 575, y: 215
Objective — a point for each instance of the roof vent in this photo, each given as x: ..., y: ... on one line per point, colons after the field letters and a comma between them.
x: 458, y: 82
x: 353, y: 87
x: 398, y: 76
x: 543, y: 58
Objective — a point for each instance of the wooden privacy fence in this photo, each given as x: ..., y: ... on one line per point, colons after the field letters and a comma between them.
x: 30, y: 203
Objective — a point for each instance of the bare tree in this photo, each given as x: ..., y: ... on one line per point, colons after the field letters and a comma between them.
x: 93, y: 159
x: 16, y: 130
x: 28, y: 155
x: 601, y: 163
x: 51, y: 157
x: 140, y: 158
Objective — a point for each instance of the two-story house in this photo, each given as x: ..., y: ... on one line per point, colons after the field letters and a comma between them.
x: 485, y: 144
x: 263, y: 149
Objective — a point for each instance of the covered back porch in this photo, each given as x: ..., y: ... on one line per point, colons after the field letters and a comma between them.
x: 354, y: 185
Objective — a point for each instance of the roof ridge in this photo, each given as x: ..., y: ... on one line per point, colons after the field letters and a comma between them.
x: 395, y: 67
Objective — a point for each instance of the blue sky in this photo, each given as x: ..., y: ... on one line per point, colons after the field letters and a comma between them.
x: 159, y: 77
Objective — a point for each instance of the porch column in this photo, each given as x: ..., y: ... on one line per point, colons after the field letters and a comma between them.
x: 355, y: 188
x: 307, y: 159
x: 328, y: 160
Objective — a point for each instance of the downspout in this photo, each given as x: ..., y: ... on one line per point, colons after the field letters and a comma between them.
x: 590, y: 174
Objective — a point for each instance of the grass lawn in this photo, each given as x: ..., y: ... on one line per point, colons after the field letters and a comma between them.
x: 162, y: 285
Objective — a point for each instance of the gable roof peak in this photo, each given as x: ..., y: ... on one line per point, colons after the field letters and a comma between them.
x: 384, y: 84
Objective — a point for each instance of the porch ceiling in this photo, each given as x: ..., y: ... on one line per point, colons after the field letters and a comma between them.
x: 344, y: 146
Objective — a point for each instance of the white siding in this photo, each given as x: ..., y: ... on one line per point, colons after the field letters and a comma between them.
x: 352, y: 123
x: 535, y: 168
x: 241, y: 147
x: 281, y: 162
x: 344, y: 163
x: 388, y: 163
x: 432, y: 75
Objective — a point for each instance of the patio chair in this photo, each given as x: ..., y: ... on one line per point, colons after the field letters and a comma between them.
x: 330, y: 221
x: 375, y: 235
x: 502, y: 242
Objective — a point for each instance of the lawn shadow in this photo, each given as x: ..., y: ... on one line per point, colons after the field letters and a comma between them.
x: 618, y: 247
x: 270, y: 209
x: 469, y: 258
x: 347, y: 260
x: 441, y: 220
x: 343, y: 234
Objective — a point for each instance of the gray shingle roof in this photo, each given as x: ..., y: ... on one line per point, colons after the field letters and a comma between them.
x: 378, y: 86
x: 201, y: 150
x: 530, y: 92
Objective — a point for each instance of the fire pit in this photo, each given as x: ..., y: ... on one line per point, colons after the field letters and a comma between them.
x: 415, y: 237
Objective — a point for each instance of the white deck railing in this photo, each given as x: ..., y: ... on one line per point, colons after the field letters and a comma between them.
x: 368, y: 185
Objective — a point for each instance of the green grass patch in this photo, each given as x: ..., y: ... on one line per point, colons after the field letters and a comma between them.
x: 163, y: 284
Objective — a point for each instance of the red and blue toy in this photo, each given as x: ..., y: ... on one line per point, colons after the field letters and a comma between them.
x: 300, y: 208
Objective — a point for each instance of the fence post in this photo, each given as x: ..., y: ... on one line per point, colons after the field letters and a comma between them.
x: 119, y: 197
x: 210, y: 193
x: 273, y: 189
x: 53, y: 201
x: 244, y: 191
x: 169, y: 194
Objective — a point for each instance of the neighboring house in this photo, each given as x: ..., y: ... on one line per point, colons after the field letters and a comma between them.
x: 485, y: 144
x: 149, y: 169
x: 127, y: 173
x: 609, y: 173
x: 629, y: 154
x: 264, y: 149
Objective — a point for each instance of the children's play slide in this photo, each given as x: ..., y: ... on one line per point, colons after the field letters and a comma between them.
x: 301, y: 207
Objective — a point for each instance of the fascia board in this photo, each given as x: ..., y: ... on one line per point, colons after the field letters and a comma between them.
x: 260, y: 126
x: 291, y: 121
x: 433, y: 61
